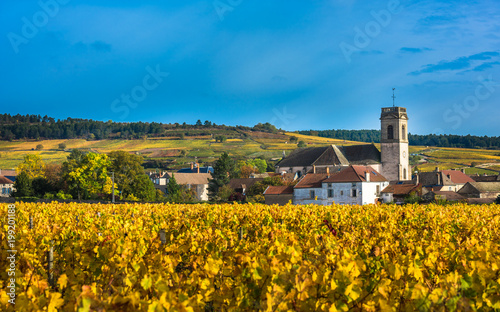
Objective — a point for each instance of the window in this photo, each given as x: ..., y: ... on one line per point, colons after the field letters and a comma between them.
x: 330, y: 193
x: 404, y: 174
x: 354, y: 184
x: 312, y: 194
x: 4, y: 190
x: 377, y: 190
x: 354, y: 193
x: 329, y: 185
x: 341, y: 193
x: 390, y: 132
x: 403, y: 133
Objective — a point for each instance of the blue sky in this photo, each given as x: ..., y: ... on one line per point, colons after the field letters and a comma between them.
x: 297, y: 64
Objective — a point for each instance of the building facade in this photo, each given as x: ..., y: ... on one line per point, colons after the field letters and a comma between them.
x: 394, y: 144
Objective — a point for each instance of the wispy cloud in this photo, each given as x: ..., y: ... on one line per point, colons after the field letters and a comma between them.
x: 461, y: 63
x: 100, y: 46
x: 413, y: 50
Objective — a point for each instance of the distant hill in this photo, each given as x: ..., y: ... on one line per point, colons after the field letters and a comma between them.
x: 36, y: 127
x: 467, y: 141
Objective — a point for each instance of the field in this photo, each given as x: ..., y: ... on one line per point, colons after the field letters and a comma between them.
x: 179, y: 153
x: 205, y: 149
x: 144, y: 257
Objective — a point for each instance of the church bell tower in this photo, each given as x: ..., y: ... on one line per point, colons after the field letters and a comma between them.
x: 394, y: 144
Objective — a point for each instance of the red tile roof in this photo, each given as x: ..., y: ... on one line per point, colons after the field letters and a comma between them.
x: 4, y: 180
x: 457, y: 177
x: 279, y: 190
x: 311, y: 180
x: 356, y: 174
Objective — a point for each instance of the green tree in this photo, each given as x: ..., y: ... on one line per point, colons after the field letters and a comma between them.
x: 39, y: 147
x: 224, y: 171
x: 130, y: 177
x: 73, y: 161
x: 90, y: 176
x: 172, y: 186
x: 32, y: 165
x: 62, y: 146
x: 41, y: 186
x: 301, y: 144
x: 258, y: 163
x: 22, y: 185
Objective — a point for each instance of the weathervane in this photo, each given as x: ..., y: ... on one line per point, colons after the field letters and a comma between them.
x: 393, y: 98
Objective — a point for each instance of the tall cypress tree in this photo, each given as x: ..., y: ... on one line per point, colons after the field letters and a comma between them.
x: 224, y: 171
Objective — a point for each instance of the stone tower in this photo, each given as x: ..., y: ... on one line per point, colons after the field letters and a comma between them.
x: 394, y: 144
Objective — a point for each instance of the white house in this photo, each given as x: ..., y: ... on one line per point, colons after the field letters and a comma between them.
x: 354, y: 185
x: 7, y: 187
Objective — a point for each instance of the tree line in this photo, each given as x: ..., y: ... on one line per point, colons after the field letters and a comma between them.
x: 439, y: 140
x: 18, y: 127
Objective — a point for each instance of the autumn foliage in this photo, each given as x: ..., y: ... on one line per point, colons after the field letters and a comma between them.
x: 256, y: 257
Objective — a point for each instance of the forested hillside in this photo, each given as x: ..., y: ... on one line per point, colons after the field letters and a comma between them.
x: 37, y: 127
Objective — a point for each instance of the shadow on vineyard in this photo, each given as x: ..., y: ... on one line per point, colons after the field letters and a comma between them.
x: 165, y: 257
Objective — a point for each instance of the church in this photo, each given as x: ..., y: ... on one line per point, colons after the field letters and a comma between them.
x: 391, y: 161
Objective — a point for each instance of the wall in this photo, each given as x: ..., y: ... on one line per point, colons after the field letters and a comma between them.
x: 278, y: 199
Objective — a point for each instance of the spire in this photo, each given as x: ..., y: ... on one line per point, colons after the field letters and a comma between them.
x: 393, y: 98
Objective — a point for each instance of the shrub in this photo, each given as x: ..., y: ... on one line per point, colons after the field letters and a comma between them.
x: 39, y: 147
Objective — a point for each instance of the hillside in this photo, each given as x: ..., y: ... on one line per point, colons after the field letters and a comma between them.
x: 176, y: 153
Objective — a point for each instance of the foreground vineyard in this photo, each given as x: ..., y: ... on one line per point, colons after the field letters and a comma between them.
x: 254, y: 257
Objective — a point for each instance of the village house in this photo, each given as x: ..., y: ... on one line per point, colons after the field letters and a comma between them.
x: 445, y: 180
x: 434, y: 196
x: 280, y: 195
x: 399, y: 192
x: 354, y: 185
x: 485, y: 178
x: 7, y: 186
x: 481, y: 190
x: 195, y: 181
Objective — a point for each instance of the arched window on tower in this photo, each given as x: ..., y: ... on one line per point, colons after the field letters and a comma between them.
x: 390, y: 133
x: 404, y: 174
x: 403, y: 135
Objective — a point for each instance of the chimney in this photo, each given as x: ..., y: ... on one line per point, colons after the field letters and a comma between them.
x: 198, y: 168
x: 367, y: 176
x: 192, y: 166
x: 437, y: 169
x: 463, y: 170
x: 418, y: 178
x: 314, y: 168
x: 438, y: 178
x: 327, y: 172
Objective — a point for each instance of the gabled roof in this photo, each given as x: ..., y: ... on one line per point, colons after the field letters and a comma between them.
x: 311, y: 180
x: 484, y: 187
x: 362, y: 154
x: 366, y: 154
x: 457, y: 177
x: 356, y: 174
x: 279, y: 190
x: 4, y: 180
x: 434, y: 178
x: 302, y: 157
x: 245, y: 183
x: 403, y: 189
x: 191, y: 178
x: 449, y: 195
x: 485, y: 178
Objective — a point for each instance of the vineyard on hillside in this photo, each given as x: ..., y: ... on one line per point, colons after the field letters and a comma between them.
x: 145, y: 257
